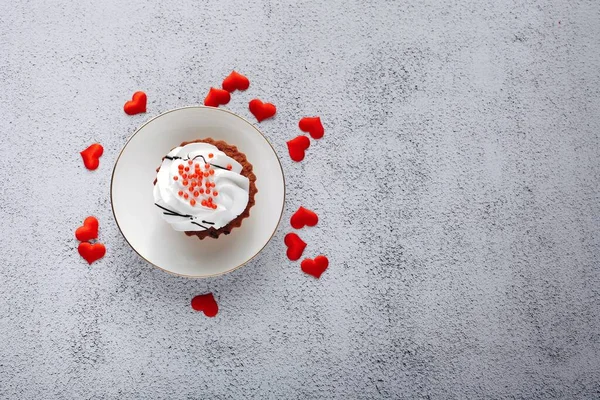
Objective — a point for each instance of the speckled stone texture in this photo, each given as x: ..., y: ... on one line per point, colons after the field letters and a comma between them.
x: 457, y: 187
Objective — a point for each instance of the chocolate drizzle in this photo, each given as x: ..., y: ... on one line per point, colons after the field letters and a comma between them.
x: 205, y: 162
x: 200, y: 225
x: 217, y: 166
x: 171, y: 212
x: 188, y: 158
x: 176, y: 214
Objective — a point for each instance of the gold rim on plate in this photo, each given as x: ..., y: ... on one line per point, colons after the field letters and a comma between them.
x: 150, y: 262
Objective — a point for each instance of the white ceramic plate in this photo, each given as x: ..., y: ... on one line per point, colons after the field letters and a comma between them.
x: 141, y: 222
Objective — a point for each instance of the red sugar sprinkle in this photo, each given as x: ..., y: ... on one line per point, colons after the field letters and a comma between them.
x: 180, y: 166
x: 193, y: 202
x: 210, y: 155
x: 185, y: 196
x: 181, y: 192
x: 229, y: 166
x: 185, y: 183
x: 175, y: 178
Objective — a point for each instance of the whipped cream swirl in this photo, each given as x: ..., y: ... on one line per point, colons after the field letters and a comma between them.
x: 198, y: 187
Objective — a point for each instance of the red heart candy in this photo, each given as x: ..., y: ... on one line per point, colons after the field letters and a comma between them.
x: 88, y: 231
x: 91, y: 156
x: 91, y: 252
x: 217, y: 97
x: 295, y: 246
x: 235, y: 81
x: 303, y: 217
x: 205, y: 303
x: 261, y: 110
x: 315, y: 267
x: 313, y: 126
x: 137, y: 104
x: 297, y: 146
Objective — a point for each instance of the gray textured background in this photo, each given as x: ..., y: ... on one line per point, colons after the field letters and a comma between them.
x: 457, y: 187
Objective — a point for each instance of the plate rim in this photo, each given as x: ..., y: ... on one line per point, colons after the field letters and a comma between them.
x: 112, y: 177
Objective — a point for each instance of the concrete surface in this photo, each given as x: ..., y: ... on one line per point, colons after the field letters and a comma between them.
x: 457, y: 186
